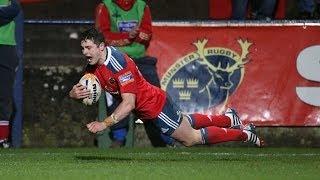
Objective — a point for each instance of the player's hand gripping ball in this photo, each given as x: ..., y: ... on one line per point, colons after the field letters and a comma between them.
x: 91, y: 82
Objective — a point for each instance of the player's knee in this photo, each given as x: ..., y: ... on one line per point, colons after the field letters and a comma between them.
x: 188, y: 143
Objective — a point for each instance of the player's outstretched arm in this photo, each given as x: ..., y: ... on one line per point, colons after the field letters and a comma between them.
x: 122, y: 111
x: 127, y: 104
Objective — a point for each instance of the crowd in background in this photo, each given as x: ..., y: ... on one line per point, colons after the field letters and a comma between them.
x: 177, y: 10
x: 264, y: 9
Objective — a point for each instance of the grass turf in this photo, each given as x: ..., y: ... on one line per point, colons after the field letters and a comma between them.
x: 160, y: 163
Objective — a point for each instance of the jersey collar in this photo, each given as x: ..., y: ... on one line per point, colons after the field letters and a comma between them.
x: 106, y: 62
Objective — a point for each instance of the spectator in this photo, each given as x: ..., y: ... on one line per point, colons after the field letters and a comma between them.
x: 9, y: 9
x: 261, y: 10
x: 317, y: 10
x: 126, y: 24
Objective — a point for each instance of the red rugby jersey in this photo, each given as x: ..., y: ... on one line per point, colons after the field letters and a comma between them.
x: 119, y: 74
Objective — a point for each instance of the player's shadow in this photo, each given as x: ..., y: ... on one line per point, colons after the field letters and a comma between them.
x: 153, y: 159
x: 112, y: 158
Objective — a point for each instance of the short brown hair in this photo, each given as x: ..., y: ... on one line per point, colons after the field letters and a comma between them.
x: 94, y: 35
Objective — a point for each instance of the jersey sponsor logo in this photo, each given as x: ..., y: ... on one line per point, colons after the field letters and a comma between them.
x: 112, y: 81
x: 178, y: 113
x: 127, y: 26
x: 114, y: 92
x: 126, y: 78
x: 111, y: 91
x: 205, y: 78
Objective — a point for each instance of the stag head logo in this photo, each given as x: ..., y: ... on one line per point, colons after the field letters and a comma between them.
x: 207, y: 77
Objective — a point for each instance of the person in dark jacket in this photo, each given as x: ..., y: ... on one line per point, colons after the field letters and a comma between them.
x: 9, y: 9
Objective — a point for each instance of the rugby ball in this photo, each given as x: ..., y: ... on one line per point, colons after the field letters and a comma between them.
x: 91, y: 82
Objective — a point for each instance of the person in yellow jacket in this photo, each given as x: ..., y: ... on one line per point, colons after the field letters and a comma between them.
x: 9, y: 9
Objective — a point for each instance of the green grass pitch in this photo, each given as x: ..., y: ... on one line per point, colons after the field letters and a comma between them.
x: 161, y: 163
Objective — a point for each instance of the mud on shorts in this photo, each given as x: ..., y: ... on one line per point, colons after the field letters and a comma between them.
x: 169, y: 118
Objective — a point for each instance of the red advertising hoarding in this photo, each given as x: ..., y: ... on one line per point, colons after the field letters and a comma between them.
x: 270, y: 74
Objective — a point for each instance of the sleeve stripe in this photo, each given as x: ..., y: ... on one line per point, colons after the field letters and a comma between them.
x: 115, y: 64
x: 115, y: 60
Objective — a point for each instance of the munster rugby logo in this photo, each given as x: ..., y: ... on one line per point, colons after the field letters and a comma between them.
x: 207, y: 77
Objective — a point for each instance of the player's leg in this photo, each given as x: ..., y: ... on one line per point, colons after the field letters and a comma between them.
x: 229, y: 119
x: 213, y: 135
x: 186, y: 134
x: 172, y: 122
x: 208, y: 135
x: 153, y: 134
x: 170, y: 119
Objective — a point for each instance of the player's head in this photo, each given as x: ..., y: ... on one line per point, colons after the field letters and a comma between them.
x: 125, y: 4
x: 92, y: 43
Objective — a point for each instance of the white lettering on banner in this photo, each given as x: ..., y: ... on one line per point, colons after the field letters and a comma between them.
x: 308, y: 66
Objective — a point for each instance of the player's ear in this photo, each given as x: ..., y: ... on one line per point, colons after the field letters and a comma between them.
x: 102, y: 46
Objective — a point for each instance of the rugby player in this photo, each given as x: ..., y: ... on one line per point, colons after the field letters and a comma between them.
x: 119, y: 76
